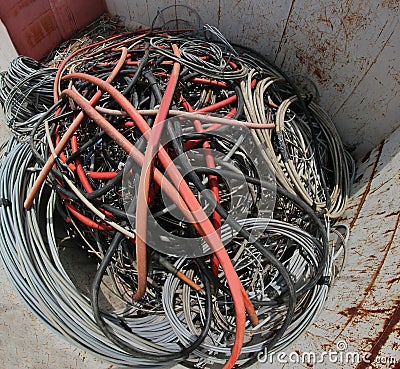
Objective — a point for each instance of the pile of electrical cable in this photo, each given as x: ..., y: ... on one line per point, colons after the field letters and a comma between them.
x: 202, y: 180
x: 26, y: 92
x: 26, y: 88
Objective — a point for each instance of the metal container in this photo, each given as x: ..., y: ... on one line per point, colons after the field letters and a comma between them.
x: 350, y: 52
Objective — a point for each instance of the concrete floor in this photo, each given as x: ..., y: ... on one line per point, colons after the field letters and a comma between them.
x: 363, y: 307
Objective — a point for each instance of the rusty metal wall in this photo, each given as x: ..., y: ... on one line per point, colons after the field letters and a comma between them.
x: 363, y: 310
x: 350, y: 50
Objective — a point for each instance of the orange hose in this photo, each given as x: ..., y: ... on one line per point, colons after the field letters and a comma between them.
x: 216, y: 217
x: 145, y: 179
x: 191, y: 207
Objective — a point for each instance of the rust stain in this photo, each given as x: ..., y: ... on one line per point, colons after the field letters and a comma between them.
x: 381, y: 339
x: 371, y: 64
x: 392, y: 214
x: 354, y: 311
x: 254, y: 38
x: 368, y: 188
x: 318, y: 74
x: 284, y: 30
x: 380, y: 185
x: 325, y: 20
x: 38, y: 30
x: 328, y: 35
x: 360, y: 312
x: 390, y: 4
x: 391, y: 281
x: 311, y: 60
x: 219, y: 13
x: 385, y: 190
x: 381, y: 31
x: 355, y: 19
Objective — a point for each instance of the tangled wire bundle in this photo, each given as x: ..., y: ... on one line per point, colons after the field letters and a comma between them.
x: 159, y: 157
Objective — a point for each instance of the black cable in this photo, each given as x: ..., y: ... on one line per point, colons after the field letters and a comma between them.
x: 138, y: 73
x: 184, y: 353
x: 177, y: 145
x: 293, y: 198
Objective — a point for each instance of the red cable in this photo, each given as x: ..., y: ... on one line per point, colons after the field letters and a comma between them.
x: 69, y: 57
x: 102, y: 175
x: 189, y: 145
x: 145, y: 178
x: 68, y: 134
x: 213, y: 180
x: 79, y: 168
x: 210, y: 163
x: 85, y: 220
x: 202, y: 224
x: 189, y: 204
x: 209, y: 82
